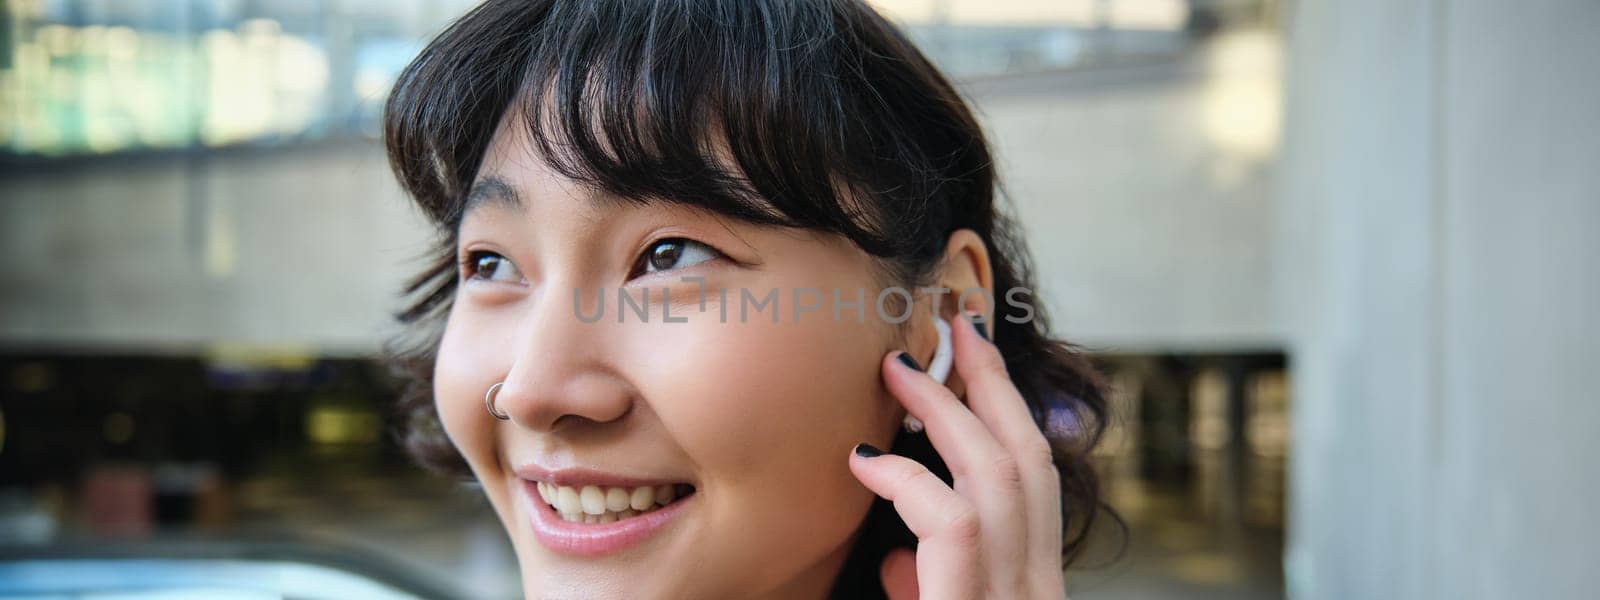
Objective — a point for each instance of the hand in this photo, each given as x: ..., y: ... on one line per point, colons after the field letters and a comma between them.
x: 997, y: 533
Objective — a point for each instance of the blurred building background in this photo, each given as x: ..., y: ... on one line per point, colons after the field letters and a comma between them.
x: 1337, y: 257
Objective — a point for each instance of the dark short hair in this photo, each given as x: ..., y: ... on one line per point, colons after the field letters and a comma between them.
x: 815, y: 114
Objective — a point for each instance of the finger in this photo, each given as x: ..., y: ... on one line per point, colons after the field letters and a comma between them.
x: 984, y: 471
x: 946, y: 525
x: 963, y: 441
x: 991, y: 394
x: 899, y: 574
x: 995, y: 400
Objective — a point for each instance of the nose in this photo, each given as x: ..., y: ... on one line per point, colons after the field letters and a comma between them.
x: 559, y: 377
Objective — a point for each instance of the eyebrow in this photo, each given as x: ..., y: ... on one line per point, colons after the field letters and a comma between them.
x: 492, y: 190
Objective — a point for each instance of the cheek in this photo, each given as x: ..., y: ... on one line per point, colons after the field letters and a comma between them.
x: 463, y: 372
x: 813, y: 386
x: 769, y: 413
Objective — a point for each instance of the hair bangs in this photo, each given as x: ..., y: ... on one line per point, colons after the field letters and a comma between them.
x: 753, y: 110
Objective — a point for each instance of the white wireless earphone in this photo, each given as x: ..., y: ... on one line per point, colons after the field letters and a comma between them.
x: 938, y: 368
x: 943, y: 355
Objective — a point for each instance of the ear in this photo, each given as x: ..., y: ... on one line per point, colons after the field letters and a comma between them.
x: 967, y: 284
x: 968, y: 276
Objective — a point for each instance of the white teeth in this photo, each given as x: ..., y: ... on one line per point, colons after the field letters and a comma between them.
x: 567, y: 501
x: 605, y: 517
x: 617, y: 499
x: 594, y: 500
x: 598, y: 504
x: 665, y: 494
x: 643, y: 497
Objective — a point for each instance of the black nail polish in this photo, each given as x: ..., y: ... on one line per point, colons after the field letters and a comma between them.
x: 983, y: 332
x: 867, y: 451
x: 905, y: 359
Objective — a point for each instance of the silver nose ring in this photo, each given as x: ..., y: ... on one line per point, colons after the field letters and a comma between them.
x: 488, y: 402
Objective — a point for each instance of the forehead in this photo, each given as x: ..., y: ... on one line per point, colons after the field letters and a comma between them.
x: 515, y: 177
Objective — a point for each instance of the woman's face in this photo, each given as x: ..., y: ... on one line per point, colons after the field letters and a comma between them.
x: 758, y: 417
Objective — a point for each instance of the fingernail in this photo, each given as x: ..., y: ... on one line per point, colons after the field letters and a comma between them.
x: 905, y: 359
x: 983, y: 332
x: 864, y: 450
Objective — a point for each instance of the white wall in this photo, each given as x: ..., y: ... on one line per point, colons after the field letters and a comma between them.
x: 1144, y: 195
x: 301, y: 251
x: 1439, y: 239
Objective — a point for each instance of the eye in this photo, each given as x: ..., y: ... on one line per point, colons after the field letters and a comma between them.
x: 674, y: 253
x: 490, y: 266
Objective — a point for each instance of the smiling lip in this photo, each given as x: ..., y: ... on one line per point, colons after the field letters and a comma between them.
x: 590, y: 539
